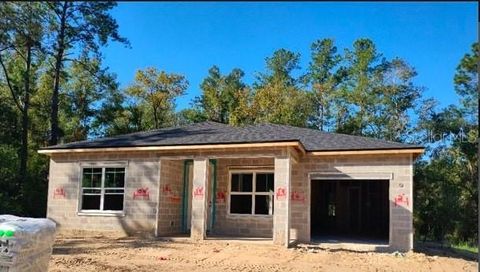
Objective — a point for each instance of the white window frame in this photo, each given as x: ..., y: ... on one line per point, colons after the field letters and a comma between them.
x: 101, y: 211
x: 254, y: 192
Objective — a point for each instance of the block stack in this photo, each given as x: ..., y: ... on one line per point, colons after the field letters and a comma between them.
x: 25, y: 243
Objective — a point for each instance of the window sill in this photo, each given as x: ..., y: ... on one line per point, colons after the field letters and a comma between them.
x: 256, y: 216
x: 101, y: 213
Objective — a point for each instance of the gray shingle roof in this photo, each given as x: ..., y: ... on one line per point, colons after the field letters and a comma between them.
x: 217, y: 133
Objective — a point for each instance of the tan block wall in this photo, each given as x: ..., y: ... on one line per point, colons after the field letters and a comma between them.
x: 171, y: 196
x: 400, y: 166
x: 282, y: 213
x: 140, y: 214
x: 239, y: 225
x: 199, y: 196
x: 143, y: 170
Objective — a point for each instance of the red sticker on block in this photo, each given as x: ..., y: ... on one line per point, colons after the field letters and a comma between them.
x: 141, y: 193
x: 198, y: 192
x: 401, y: 200
x: 220, y: 197
x: 297, y: 196
x: 59, y: 193
x: 166, y: 189
x: 281, y: 193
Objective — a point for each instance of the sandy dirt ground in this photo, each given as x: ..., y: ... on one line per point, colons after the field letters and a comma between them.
x: 106, y: 253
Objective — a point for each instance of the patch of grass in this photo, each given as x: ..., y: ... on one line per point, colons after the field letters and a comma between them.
x: 465, y: 247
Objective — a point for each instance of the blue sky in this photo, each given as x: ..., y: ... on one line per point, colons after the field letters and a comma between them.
x: 188, y: 38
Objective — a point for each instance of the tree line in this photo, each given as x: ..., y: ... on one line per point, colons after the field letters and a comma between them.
x: 54, y: 88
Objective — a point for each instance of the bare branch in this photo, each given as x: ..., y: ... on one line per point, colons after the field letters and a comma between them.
x: 6, y: 48
x: 20, y: 53
x: 52, y: 7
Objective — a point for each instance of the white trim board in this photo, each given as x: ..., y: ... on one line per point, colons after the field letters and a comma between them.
x: 349, y: 176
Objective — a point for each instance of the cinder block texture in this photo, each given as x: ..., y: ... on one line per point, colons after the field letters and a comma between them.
x: 156, y: 170
x: 227, y: 224
x: 170, y: 197
x: 199, y: 201
x: 142, y: 171
x: 401, y: 182
x: 281, y: 217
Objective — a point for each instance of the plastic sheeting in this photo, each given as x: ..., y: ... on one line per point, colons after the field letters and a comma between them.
x: 25, y: 243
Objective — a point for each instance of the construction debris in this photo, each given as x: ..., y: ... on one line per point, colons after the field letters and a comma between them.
x: 398, y: 254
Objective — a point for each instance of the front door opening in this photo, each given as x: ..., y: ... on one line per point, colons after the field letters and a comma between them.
x: 349, y: 209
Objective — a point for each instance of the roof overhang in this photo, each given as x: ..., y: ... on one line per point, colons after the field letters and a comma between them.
x: 295, y: 144
x: 289, y: 144
x: 415, y: 151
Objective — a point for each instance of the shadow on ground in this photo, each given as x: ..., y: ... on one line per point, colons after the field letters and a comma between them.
x: 80, y: 245
x: 431, y: 249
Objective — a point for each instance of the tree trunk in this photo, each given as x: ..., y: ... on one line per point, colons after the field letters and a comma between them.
x: 155, y: 117
x: 478, y: 178
x: 26, y: 105
x: 321, y: 110
x: 58, y: 70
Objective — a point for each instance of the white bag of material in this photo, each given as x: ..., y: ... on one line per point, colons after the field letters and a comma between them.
x: 25, y: 243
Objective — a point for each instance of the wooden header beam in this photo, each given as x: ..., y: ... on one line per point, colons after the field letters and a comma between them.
x: 295, y: 144
x: 290, y: 144
x: 368, y: 152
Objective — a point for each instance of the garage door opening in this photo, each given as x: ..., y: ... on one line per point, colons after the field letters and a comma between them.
x: 355, y: 210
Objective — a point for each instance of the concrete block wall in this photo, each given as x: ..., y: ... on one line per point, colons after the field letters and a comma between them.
x: 400, y: 166
x: 199, y: 200
x: 170, y: 197
x: 239, y: 225
x: 282, y: 214
x: 142, y: 171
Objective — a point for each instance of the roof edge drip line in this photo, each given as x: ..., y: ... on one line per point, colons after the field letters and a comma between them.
x: 297, y: 144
